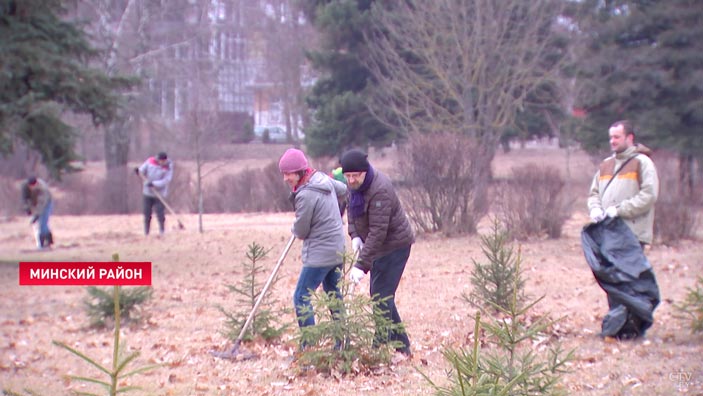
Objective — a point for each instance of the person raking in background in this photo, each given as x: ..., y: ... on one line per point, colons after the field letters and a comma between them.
x: 156, y: 173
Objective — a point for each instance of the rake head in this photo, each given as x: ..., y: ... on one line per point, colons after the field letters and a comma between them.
x: 233, y: 354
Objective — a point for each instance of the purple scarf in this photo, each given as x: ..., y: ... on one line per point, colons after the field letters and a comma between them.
x: 356, y: 201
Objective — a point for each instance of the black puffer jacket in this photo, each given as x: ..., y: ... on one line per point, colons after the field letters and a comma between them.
x: 383, y: 227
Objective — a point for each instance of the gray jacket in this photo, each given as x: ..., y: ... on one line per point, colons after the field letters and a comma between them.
x: 318, y: 221
x: 159, y: 176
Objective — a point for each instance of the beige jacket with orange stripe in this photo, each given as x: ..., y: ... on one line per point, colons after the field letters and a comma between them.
x: 633, y: 192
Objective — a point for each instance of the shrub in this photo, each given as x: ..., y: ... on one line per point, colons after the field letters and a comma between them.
x: 532, y: 202
x: 247, y: 132
x: 100, y: 304
x: 266, y: 321
x: 350, y: 335
x: 500, y: 279
x: 9, y: 198
x: 676, y: 215
x: 120, y: 191
x: 691, y: 309
x: 82, y: 195
x: 675, y: 219
x: 251, y: 190
x: 181, y: 196
x: 441, y: 184
x: 275, y: 192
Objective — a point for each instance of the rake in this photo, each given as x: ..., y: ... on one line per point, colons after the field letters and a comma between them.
x: 232, y: 353
x: 163, y: 201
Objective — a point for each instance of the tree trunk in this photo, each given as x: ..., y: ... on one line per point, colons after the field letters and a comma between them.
x: 686, y: 171
x: 116, y: 156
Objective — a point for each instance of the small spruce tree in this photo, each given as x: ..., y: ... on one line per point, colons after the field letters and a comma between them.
x: 267, y: 319
x: 510, y: 366
x: 496, y: 282
x: 691, y: 309
x: 100, y: 305
x: 350, y: 335
x: 118, y: 372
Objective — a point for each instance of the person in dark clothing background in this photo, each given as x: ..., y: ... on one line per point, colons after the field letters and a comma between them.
x: 157, y: 173
x: 39, y: 204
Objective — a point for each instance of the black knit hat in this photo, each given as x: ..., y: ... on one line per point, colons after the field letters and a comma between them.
x: 162, y: 156
x: 354, y: 160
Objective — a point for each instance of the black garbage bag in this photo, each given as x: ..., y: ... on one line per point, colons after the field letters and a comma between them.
x: 622, y: 270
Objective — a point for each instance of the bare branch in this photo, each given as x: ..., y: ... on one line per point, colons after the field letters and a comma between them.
x: 460, y: 66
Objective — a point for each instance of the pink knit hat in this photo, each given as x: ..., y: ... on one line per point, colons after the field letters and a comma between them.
x: 293, y: 160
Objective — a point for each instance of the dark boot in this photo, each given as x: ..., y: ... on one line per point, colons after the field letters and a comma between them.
x: 50, y: 239
x: 44, y: 240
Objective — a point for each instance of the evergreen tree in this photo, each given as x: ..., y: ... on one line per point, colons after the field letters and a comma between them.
x: 267, y: 320
x: 45, y: 72
x: 642, y: 61
x: 339, y: 97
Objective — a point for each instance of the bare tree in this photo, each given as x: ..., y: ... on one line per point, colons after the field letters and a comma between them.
x: 210, y: 78
x: 201, y: 125
x: 287, y: 35
x: 117, y: 27
x: 464, y: 66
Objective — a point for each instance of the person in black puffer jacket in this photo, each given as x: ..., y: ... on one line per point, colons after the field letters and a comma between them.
x: 381, y: 235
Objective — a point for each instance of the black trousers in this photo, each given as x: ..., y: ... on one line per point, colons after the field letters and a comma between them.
x: 151, y: 203
x: 385, y: 277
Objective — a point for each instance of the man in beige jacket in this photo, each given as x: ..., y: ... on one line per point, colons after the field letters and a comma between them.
x: 626, y: 184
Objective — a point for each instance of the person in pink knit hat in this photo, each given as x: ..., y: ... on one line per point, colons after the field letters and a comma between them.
x: 318, y: 223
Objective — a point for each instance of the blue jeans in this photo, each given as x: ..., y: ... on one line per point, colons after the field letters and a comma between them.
x: 44, y: 219
x: 385, y: 277
x: 309, y: 279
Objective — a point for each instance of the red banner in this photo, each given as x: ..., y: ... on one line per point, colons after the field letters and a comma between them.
x: 112, y: 273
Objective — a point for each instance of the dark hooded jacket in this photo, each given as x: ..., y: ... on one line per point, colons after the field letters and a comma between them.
x: 383, y: 227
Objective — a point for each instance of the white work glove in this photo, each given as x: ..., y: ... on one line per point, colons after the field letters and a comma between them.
x: 597, y: 215
x: 611, y: 212
x: 356, y: 275
x: 357, y: 245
